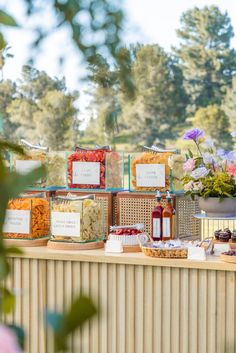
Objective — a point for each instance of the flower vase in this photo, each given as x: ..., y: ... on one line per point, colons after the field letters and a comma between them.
x: 214, y: 207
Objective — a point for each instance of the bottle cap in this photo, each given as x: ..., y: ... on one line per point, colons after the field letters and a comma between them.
x: 168, y: 196
x: 158, y: 195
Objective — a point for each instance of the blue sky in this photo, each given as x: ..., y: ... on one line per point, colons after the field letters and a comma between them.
x: 148, y: 21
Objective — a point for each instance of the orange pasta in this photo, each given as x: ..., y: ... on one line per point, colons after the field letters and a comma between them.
x: 39, y: 208
x: 150, y: 158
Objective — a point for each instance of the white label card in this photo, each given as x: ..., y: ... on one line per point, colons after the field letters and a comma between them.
x: 166, y: 227
x: 86, y: 173
x: 66, y: 224
x: 17, y: 221
x: 156, y: 227
x: 152, y: 175
x: 24, y: 167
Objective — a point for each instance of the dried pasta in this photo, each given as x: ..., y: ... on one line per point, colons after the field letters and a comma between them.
x: 90, y: 218
x: 151, y: 158
x: 39, y: 208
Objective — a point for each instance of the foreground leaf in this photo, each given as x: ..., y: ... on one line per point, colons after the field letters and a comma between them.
x: 7, y: 20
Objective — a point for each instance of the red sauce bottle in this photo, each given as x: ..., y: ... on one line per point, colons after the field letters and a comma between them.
x: 157, y: 219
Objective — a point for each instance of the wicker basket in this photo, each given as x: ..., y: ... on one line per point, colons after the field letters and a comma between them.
x: 177, y: 253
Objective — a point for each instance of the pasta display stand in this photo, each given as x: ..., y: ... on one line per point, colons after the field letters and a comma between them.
x: 24, y: 243
x: 60, y: 245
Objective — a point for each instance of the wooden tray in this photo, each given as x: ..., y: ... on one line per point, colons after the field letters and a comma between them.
x: 63, y: 245
x: 228, y: 258
x: 131, y: 248
x: 25, y: 243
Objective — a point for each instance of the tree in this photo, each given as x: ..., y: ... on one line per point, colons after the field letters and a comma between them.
x: 43, y: 111
x: 215, y: 123
x: 159, y: 103
x: 206, y: 58
x: 7, y: 95
x: 156, y: 107
x: 104, y: 100
x: 229, y: 104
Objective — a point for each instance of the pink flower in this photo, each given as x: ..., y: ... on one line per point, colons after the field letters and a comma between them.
x: 189, y: 165
x: 8, y: 341
x: 189, y: 186
x: 231, y: 170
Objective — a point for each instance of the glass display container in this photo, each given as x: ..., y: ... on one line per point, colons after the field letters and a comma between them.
x: 76, y: 219
x: 98, y: 168
x: 27, y: 217
x: 35, y: 156
x: 56, y: 169
x: 149, y: 171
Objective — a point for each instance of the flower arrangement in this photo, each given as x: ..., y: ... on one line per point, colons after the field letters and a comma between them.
x: 212, y: 172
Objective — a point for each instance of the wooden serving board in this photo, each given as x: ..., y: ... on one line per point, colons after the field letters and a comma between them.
x: 60, y: 245
x: 228, y: 258
x: 232, y: 245
x: 25, y: 243
x: 131, y: 248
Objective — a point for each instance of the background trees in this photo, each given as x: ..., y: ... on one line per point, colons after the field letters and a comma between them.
x: 206, y: 58
x: 38, y: 108
x: 144, y: 96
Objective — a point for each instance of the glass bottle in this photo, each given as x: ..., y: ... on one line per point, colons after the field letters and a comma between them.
x: 168, y: 219
x: 157, y: 219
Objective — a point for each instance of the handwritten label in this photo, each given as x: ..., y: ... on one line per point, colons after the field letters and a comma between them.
x: 86, y: 173
x: 166, y: 227
x: 156, y: 224
x: 196, y: 253
x: 114, y: 246
x: 66, y: 224
x: 24, y: 167
x: 152, y: 175
x: 17, y: 221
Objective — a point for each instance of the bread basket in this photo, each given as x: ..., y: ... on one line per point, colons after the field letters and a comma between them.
x: 168, y: 253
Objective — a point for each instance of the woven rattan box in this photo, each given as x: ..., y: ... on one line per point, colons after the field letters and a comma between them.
x: 132, y: 208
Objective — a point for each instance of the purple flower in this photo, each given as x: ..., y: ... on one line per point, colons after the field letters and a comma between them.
x: 233, y: 134
x: 193, y: 134
x: 228, y: 156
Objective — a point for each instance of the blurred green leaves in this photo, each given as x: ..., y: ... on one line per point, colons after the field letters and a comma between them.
x: 81, y: 310
x: 6, y: 19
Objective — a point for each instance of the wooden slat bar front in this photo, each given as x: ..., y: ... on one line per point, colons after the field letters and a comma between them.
x: 147, y: 305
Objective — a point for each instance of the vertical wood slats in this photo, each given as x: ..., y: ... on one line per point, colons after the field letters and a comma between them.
x: 142, y: 308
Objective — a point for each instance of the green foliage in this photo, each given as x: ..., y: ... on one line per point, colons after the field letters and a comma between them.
x: 205, y: 55
x: 214, y: 120
x: 5, y: 20
x: 20, y: 334
x: 156, y: 107
x: 39, y: 108
x: 229, y: 104
x: 219, y: 185
x: 7, y: 300
x: 81, y: 310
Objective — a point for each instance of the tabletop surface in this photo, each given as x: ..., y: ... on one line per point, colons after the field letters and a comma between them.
x: 100, y: 256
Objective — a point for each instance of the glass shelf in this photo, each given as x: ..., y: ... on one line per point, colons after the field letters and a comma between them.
x: 204, y: 216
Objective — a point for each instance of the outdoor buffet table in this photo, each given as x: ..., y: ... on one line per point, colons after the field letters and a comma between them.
x: 147, y: 305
